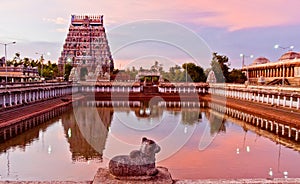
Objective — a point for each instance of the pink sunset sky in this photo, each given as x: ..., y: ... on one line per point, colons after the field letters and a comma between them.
x: 228, y: 27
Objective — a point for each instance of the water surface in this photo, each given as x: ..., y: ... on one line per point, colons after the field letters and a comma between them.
x: 75, y: 145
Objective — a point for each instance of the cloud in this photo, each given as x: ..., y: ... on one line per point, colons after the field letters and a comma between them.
x: 232, y: 14
x: 60, y: 30
x: 57, y: 20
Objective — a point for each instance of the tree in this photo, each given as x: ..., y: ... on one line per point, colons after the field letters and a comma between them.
x: 174, y: 74
x: 237, y: 76
x: 156, y: 67
x: 50, y: 71
x: 195, y: 73
x: 68, y: 68
x: 219, y: 65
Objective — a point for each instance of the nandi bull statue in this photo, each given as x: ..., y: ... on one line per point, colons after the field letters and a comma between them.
x: 138, y: 162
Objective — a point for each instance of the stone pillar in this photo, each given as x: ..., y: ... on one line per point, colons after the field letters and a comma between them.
x: 21, y: 97
x: 30, y: 96
x: 291, y: 101
x: 284, y: 100
x: 278, y: 100
x: 33, y: 95
x: 16, y: 99
x: 25, y: 96
x: 272, y: 100
x: 10, y: 99
x: 4, y: 100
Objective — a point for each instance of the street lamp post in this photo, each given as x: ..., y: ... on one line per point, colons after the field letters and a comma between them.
x: 42, y: 61
x: 243, y: 56
x: 277, y: 46
x: 5, y: 55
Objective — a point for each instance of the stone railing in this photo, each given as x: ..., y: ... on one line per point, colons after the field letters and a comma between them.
x: 23, y: 94
x: 273, y: 95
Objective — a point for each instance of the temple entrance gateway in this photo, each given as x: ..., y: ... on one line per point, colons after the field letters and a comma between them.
x: 86, y: 46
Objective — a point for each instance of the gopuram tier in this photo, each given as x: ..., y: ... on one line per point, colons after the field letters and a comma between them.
x: 86, y: 49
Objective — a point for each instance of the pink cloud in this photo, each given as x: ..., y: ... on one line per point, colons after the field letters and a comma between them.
x: 57, y: 20
x: 248, y: 14
x: 232, y: 14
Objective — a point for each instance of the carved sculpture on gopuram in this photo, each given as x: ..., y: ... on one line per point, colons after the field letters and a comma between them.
x: 86, y: 49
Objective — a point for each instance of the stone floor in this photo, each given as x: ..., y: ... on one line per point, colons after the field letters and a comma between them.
x: 163, y: 181
x: 241, y: 181
x: 45, y: 182
x: 163, y: 177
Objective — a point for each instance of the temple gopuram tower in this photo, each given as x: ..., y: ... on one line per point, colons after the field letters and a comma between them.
x: 86, y: 49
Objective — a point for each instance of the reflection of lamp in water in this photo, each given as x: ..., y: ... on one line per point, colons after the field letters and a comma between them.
x: 248, y: 149
x: 270, y: 174
x: 285, y: 174
x: 185, y: 129
x: 147, y: 111
x: 141, y: 111
x: 69, y: 133
x: 49, y: 149
x: 244, y: 141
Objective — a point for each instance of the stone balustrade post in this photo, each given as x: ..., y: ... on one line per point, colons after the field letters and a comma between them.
x: 4, y: 100
x: 10, y: 99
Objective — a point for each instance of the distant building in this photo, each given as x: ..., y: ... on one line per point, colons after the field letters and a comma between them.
x: 18, y: 73
x: 284, y: 71
x: 86, y: 49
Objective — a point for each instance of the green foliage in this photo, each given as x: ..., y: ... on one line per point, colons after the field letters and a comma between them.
x: 237, y: 76
x: 156, y: 67
x: 194, y: 73
x: 219, y: 65
x: 190, y: 117
x: 68, y: 68
x: 47, y: 71
x: 50, y: 71
x: 132, y: 73
x: 175, y: 74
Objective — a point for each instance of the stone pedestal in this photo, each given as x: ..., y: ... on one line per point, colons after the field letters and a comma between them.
x: 163, y: 177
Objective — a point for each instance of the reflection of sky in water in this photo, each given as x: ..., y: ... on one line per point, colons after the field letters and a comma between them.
x: 234, y: 153
x: 37, y: 161
x: 169, y: 133
x: 144, y: 124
